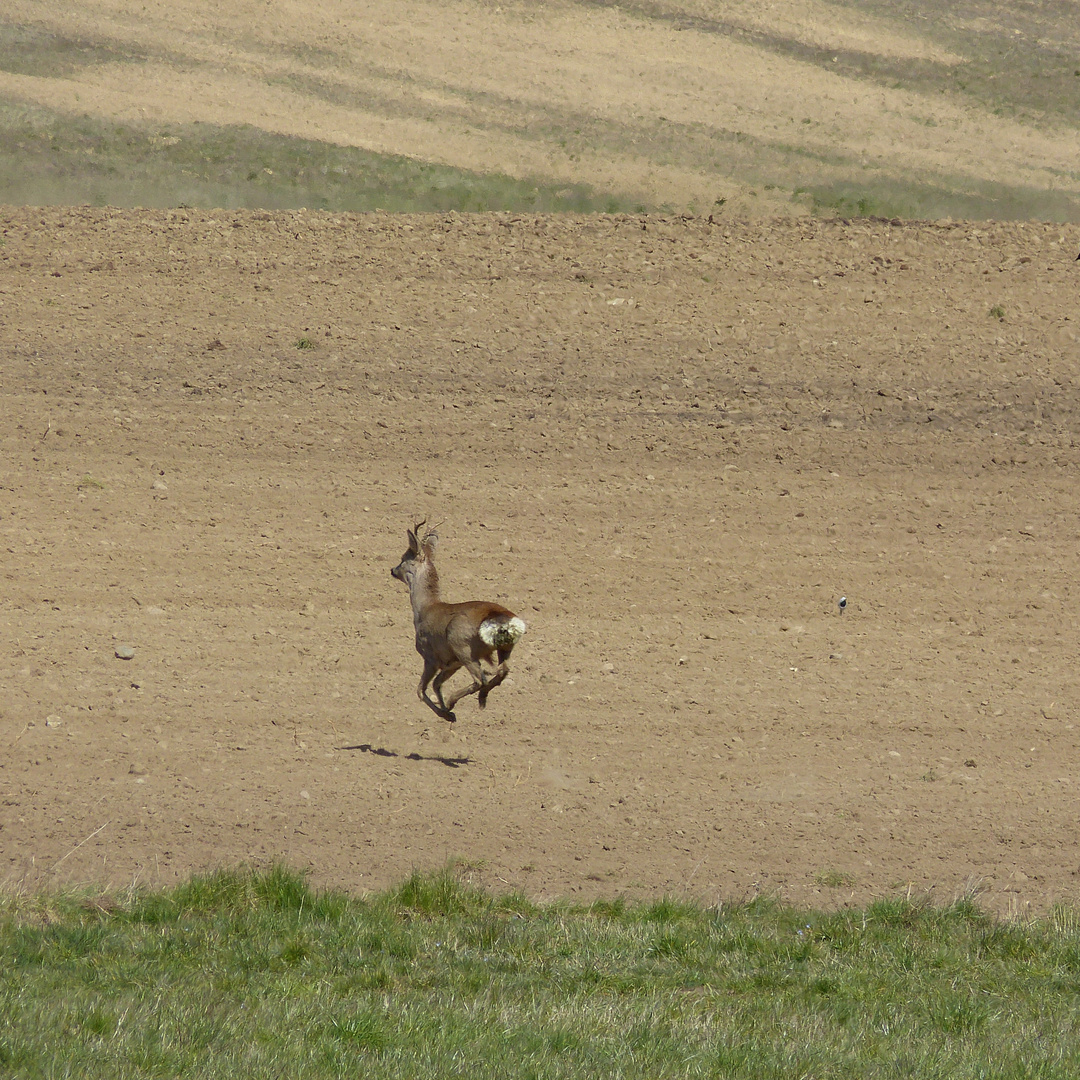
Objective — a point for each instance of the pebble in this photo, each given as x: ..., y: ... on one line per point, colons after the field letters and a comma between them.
x: 125, y: 652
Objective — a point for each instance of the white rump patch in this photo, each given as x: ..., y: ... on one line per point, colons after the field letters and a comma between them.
x: 501, y: 634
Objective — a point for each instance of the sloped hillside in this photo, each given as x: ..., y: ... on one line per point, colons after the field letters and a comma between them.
x: 917, y: 110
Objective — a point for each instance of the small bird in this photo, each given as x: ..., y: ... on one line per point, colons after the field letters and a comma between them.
x: 842, y: 604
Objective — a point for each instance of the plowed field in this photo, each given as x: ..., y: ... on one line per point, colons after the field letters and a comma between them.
x: 671, y: 445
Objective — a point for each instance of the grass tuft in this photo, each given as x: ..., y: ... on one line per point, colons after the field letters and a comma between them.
x: 439, y: 895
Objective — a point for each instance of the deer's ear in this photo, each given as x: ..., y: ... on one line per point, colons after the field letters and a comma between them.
x: 431, y: 541
x: 414, y: 536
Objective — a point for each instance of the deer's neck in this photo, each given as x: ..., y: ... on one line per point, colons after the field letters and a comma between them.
x: 424, y: 590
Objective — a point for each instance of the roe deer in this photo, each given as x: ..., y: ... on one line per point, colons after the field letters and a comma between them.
x: 453, y: 636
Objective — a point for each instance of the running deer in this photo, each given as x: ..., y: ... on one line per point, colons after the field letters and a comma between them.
x: 453, y: 636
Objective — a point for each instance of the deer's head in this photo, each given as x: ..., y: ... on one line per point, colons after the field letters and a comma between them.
x: 420, y: 552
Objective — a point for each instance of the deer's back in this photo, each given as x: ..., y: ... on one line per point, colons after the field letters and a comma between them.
x: 450, y: 630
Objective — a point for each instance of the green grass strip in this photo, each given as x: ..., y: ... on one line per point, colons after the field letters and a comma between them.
x: 55, y: 159
x: 245, y: 973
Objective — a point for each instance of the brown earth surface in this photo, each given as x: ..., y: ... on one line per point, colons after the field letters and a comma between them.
x: 670, y: 445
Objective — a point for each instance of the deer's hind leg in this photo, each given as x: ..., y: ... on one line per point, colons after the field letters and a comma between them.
x: 478, y: 684
x: 500, y: 673
x: 490, y: 685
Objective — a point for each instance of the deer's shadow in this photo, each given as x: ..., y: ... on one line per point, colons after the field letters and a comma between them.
x: 381, y: 751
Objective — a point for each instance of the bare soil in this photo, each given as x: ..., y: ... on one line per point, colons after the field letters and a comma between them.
x: 670, y: 445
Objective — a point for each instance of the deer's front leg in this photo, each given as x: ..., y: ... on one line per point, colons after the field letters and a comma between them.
x: 437, y: 687
x: 431, y: 666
